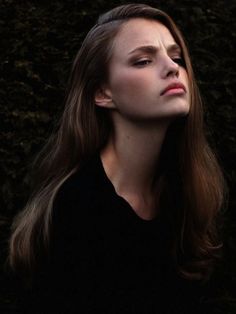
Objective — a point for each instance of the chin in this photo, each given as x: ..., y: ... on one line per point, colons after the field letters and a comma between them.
x: 180, y: 111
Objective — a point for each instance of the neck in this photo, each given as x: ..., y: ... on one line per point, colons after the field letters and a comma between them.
x: 130, y: 160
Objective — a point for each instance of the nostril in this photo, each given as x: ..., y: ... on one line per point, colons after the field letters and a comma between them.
x: 173, y: 72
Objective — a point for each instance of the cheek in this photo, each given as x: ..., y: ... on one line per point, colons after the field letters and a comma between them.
x: 129, y: 84
x: 186, y: 81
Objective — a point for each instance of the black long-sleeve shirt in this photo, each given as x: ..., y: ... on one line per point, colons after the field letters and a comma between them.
x: 103, y: 258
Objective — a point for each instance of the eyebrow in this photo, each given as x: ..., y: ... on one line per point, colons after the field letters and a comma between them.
x: 153, y: 49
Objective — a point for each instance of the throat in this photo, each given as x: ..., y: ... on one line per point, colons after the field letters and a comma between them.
x: 145, y: 209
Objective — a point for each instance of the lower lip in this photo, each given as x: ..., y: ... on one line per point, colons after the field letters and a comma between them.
x: 174, y: 91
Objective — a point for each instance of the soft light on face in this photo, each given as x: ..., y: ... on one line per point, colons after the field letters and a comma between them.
x: 147, y: 78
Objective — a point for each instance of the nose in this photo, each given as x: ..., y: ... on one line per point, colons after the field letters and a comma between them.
x: 170, y: 68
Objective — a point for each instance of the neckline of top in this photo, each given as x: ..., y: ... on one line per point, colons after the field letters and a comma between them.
x: 110, y: 185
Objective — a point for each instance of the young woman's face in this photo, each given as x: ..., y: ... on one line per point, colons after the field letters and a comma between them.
x: 146, y: 61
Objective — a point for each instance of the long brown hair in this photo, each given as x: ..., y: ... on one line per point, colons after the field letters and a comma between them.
x: 84, y: 129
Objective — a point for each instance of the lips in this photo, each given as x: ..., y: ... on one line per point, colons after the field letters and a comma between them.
x: 178, y: 87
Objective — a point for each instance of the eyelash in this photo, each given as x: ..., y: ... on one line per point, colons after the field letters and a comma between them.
x: 179, y: 61
x: 144, y: 62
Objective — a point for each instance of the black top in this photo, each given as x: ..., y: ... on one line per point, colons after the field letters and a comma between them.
x: 106, y: 259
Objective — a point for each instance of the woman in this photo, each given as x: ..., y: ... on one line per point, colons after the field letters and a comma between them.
x: 128, y: 191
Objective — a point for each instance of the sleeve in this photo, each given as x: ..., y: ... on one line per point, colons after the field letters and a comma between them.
x: 64, y: 281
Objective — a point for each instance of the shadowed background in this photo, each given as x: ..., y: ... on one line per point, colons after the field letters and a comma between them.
x: 38, y: 44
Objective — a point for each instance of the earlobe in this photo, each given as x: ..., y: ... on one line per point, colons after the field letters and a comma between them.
x: 103, y: 98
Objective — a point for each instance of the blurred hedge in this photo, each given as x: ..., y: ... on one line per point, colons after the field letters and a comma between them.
x: 38, y: 43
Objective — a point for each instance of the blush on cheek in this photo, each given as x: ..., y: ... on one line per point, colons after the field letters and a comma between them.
x: 129, y: 82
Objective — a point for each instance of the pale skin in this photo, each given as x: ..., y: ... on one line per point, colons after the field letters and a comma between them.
x: 145, y: 60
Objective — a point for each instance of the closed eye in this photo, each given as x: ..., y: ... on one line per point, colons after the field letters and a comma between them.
x: 142, y: 62
x: 180, y: 61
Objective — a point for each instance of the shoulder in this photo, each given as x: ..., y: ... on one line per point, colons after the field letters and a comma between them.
x: 76, y: 206
x: 83, y: 184
x: 82, y: 193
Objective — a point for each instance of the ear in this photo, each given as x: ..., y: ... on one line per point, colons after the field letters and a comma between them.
x: 103, y: 98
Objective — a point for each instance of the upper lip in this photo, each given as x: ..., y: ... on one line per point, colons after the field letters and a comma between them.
x: 173, y: 85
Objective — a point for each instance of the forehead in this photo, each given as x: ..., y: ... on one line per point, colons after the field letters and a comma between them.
x: 139, y: 32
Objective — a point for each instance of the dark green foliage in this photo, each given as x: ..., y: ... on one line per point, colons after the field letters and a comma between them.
x: 39, y: 40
